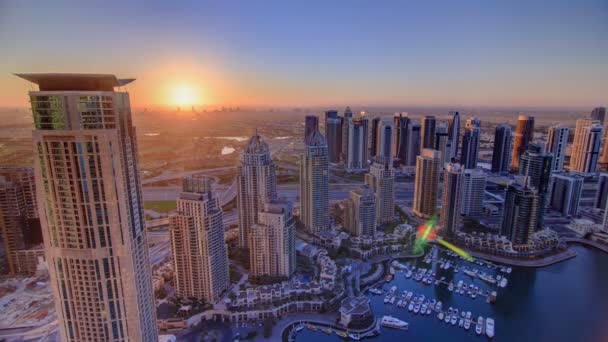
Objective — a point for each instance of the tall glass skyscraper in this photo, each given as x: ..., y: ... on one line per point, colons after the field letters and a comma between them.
x: 501, y: 154
x: 524, y: 132
x: 314, y: 184
x: 90, y: 205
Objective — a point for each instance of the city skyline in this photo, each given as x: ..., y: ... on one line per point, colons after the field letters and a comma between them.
x: 530, y: 54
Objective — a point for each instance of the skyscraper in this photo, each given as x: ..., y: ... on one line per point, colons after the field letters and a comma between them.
x: 470, y: 144
x: 402, y: 127
x: 454, y: 132
x: 426, y: 183
x: 536, y: 164
x: 273, y: 241
x: 556, y: 145
x: 314, y: 184
x: 256, y: 185
x: 601, y: 197
x: 346, y: 121
x: 599, y: 114
x: 473, y: 192
x: 385, y: 139
x: 524, y: 133
x: 381, y: 179
x: 427, y: 131
x: 520, y: 212
x: 586, y: 145
x: 357, y: 151
x: 413, y: 144
x: 19, y: 220
x: 311, y: 124
x: 12, y: 223
x: 501, y: 154
x: 441, y: 143
x: 565, y: 192
x: 87, y: 178
x: 200, y: 260
x: 333, y: 134
x: 360, y: 212
x: 451, y: 199
x: 373, y: 144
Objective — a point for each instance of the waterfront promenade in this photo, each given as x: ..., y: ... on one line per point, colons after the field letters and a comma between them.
x: 533, y: 263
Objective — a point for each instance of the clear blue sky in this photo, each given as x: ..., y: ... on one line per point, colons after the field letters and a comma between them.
x: 453, y: 52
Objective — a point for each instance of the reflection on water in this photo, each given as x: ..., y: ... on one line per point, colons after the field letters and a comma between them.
x: 230, y: 138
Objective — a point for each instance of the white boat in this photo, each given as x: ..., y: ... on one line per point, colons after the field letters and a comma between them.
x: 409, y: 295
x: 467, y: 324
x: 479, y: 326
x: 503, y: 282
x: 392, y: 322
x: 299, y: 328
x: 375, y: 291
x: 451, y: 287
x: 454, y: 319
x: 490, y: 327
x: 447, y: 318
x: 423, y: 308
x: 354, y: 336
x: 393, y: 289
x: 470, y: 273
x: 408, y: 274
x: 399, y: 303
x: 411, y: 306
x: 386, y: 299
x: 460, y: 323
x: 487, y: 278
x: 392, y: 301
x: 438, y: 306
x: 440, y: 315
x: 417, y: 308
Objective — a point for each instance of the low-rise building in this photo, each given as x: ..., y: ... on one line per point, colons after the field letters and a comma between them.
x: 355, y: 311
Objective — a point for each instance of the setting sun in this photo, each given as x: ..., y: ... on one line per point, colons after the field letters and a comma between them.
x: 183, y: 95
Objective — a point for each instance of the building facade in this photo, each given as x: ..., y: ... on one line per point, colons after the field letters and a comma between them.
x: 565, y: 193
x: 333, y: 135
x: 470, y: 144
x: 451, y: 199
x: 402, y: 127
x: 557, y: 141
x: 89, y: 197
x: 200, y: 258
x: 524, y: 133
x: 256, y: 185
x: 360, y: 212
x: 536, y: 164
x: 586, y: 146
x: 454, y: 133
x: 357, y: 151
x: 426, y: 184
x: 441, y: 143
x: 272, y: 241
x: 381, y: 179
x: 520, y: 212
x: 473, y: 192
x: 501, y: 153
x: 427, y: 131
x: 314, y: 184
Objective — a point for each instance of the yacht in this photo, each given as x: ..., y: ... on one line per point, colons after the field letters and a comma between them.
x: 438, y: 306
x: 490, y: 327
x: 470, y: 273
x: 460, y: 323
x: 341, y: 334
x: 392, y: 322
x: 454, y: 319
x: 447, y: 318
x: 433, y: 302
x: 393, y: 289
x: 456, y: 312
x: 411, y: 306
x: 375, y: 291
x: 386, y: 299
x: 423, y: 309
x: 399, y: 303
x: 487, y: 278
x: 417, y: 308
x: 479, y: 326
x: 440, y: 315
x: 299, y: 328
x: 409, y: 295
x: 451, y: 287
x: 392, y: 301
x: 354, y: 336
x: 408, y: 274
x: 467, y: 324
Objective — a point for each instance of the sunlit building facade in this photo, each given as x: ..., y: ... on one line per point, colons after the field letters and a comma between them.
x: 426, y: 184
x: 314, y: 184
x: 90, y: 204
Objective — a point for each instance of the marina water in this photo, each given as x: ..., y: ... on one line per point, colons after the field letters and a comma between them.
x: 567, y: 301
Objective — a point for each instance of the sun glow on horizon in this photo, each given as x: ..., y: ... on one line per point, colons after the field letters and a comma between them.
x: 184, y: 95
